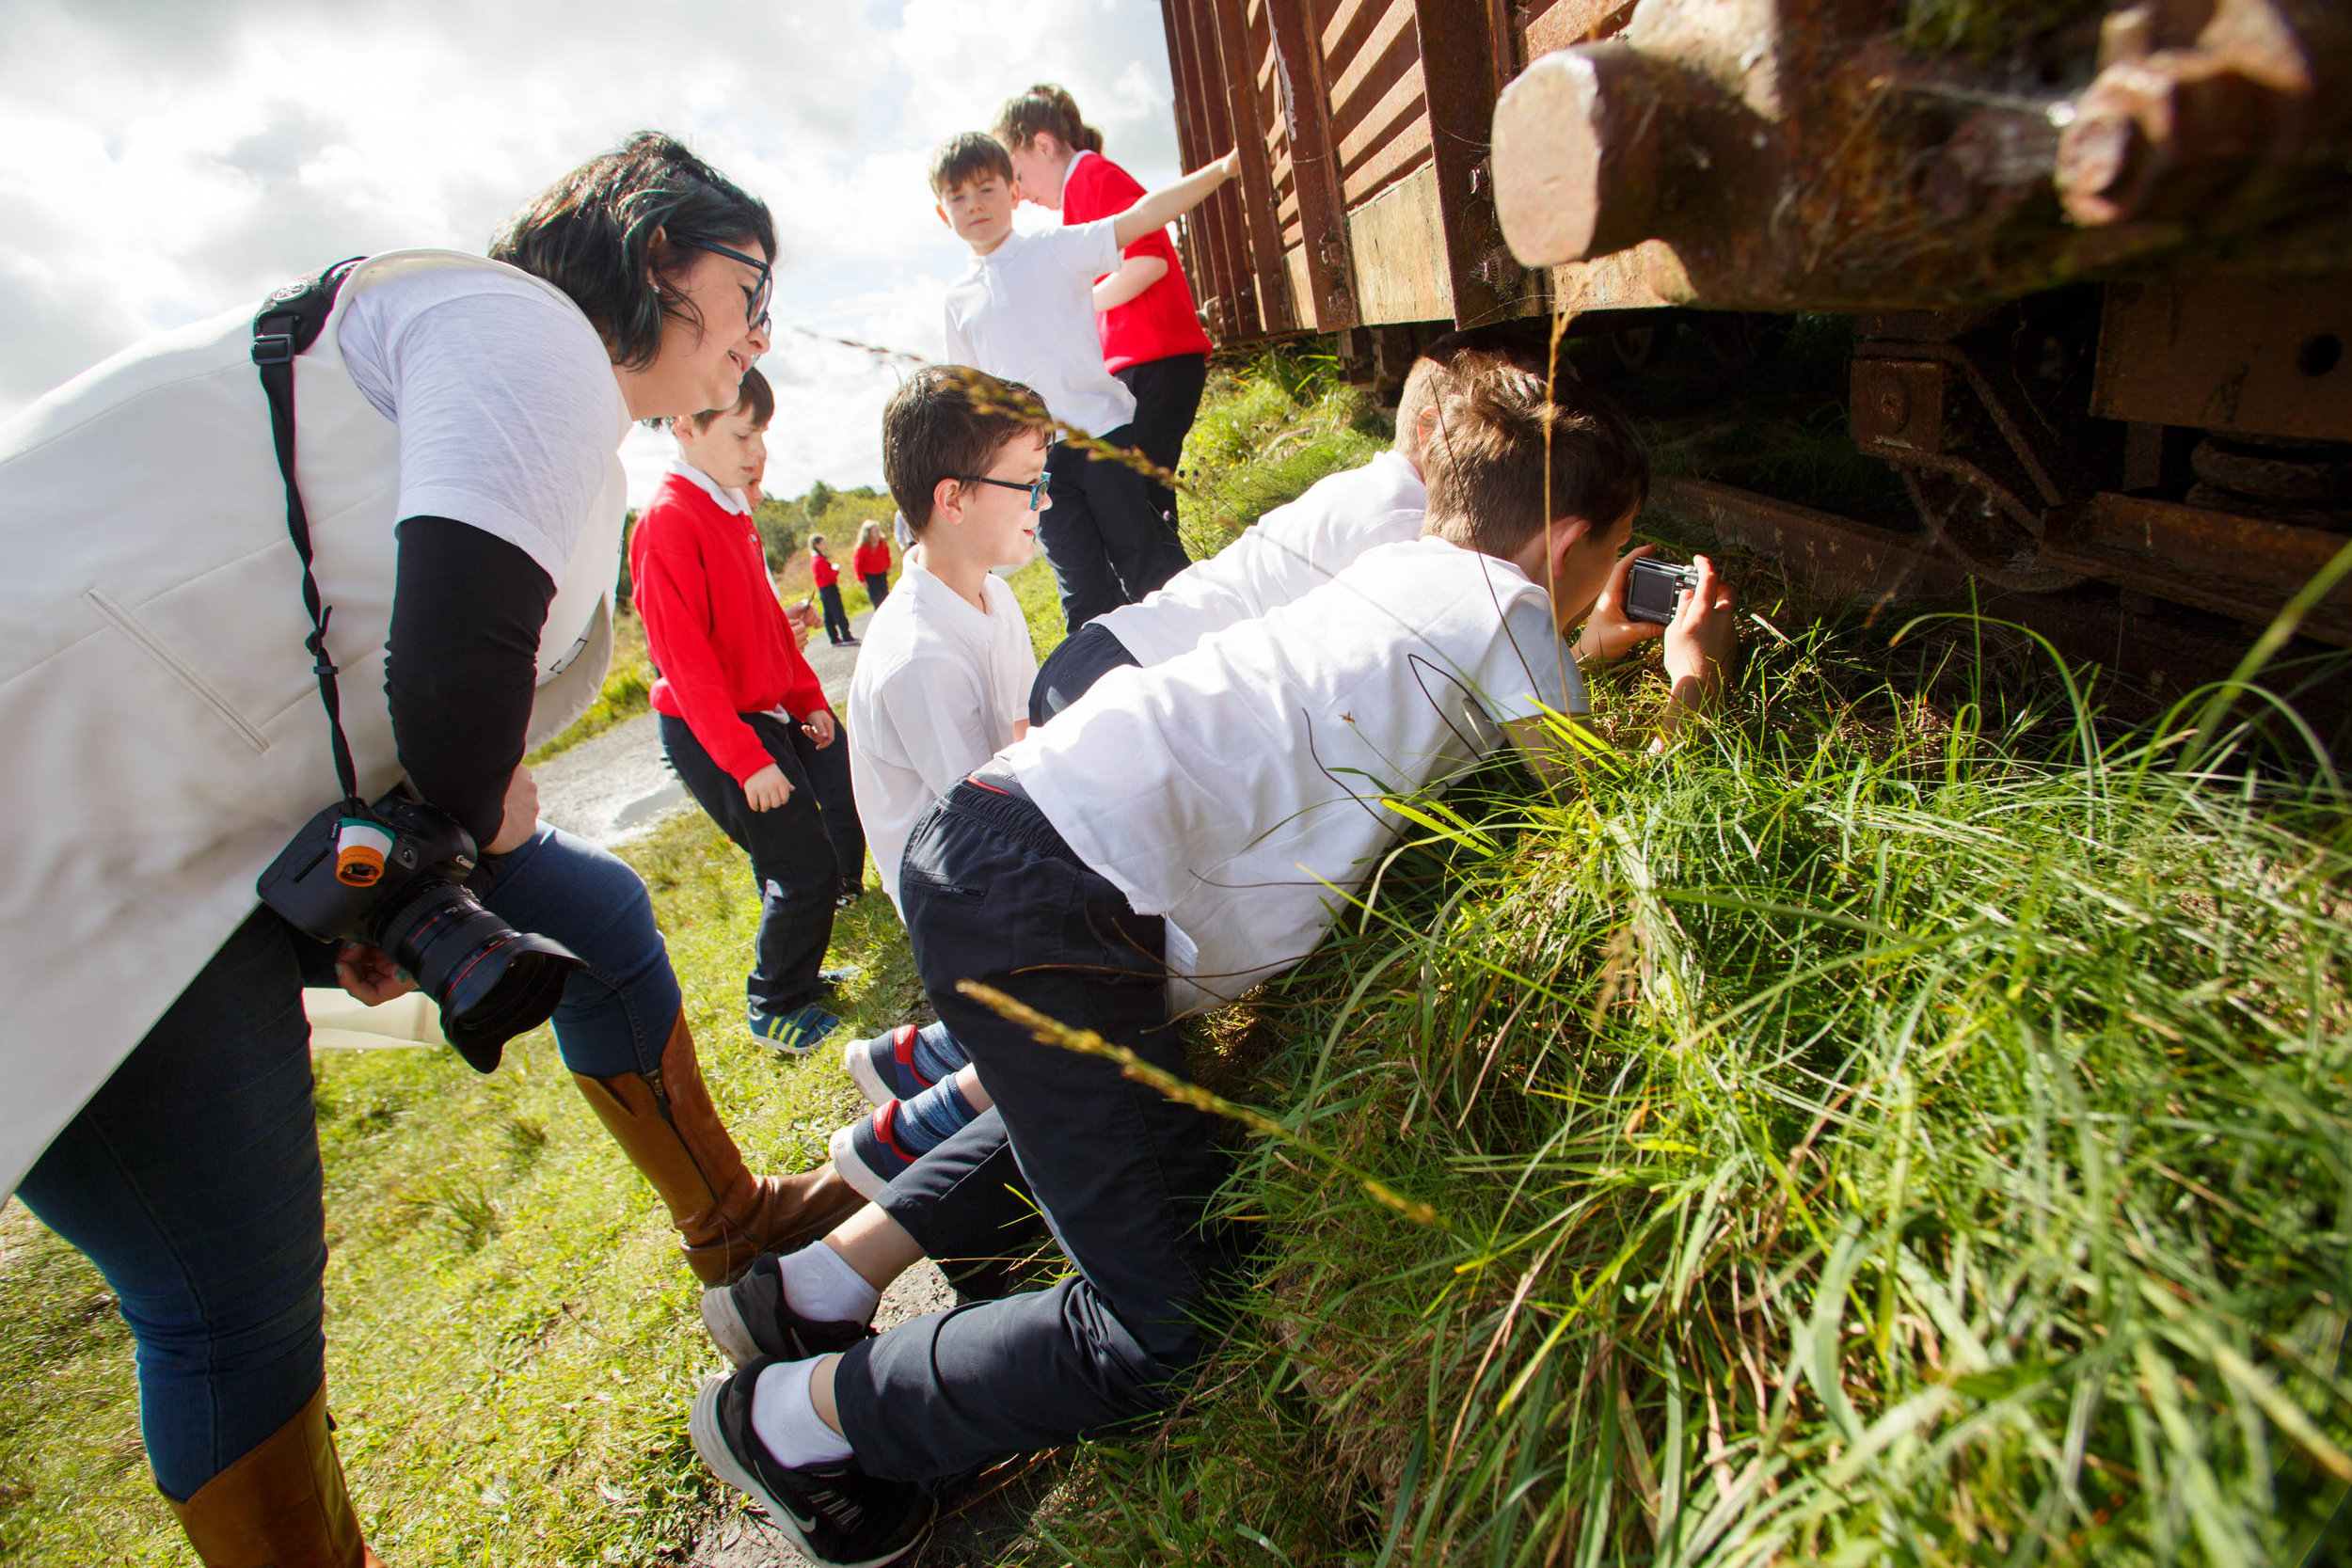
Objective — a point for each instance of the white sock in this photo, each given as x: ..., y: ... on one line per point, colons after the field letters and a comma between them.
x: 784, y: 1419
x: 820, y: 1286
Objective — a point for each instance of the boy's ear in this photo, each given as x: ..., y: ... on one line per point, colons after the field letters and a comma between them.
x: 946, y: 501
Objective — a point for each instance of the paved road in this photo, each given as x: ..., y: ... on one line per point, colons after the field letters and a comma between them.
x: 617, y: 784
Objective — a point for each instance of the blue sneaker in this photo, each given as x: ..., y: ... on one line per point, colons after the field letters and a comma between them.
x: 796, y: 1033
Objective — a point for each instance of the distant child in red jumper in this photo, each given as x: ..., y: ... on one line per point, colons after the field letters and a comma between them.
x: 872, y: 560
x: 1152, y: 336
x: 827, y: 577
x: 744, y: 718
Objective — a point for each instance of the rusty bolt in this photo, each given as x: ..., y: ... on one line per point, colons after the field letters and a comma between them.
x: 1894, y: 404
x: 2119, y: 144
x: 1577, y: 144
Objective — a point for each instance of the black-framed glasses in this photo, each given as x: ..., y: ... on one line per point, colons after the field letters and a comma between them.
x: 754, y: 297
x: 1037, y: 490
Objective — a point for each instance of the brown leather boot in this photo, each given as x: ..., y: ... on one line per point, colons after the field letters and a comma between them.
x: 281, y: 1506
x: 726, y: 1217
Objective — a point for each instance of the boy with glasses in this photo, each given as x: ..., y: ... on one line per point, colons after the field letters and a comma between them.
x: 940, y: 688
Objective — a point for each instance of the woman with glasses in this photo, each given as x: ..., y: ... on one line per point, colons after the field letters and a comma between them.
x: 453, y: 442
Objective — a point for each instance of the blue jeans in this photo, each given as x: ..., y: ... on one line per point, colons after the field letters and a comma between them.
x: 192, y: 1177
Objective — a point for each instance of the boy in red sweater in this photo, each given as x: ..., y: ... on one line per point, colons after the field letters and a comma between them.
x: 744, y: 718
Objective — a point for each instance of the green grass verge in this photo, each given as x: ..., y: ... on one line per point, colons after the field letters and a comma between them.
x: 1899, y: 1126
x: 512, y: 1341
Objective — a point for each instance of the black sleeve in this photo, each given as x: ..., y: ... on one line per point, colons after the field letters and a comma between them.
x: 462, y: 663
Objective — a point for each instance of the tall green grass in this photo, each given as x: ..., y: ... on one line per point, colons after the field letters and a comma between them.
x: 1892, y: 1127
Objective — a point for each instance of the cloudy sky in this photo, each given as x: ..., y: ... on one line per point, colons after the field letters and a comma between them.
x: 171, y: 158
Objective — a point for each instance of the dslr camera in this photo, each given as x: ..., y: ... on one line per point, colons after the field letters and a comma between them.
x: 1653, y: 587
x: 392, y: 876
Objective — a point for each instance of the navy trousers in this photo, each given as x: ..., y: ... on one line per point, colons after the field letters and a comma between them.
x: 1123, y: 1176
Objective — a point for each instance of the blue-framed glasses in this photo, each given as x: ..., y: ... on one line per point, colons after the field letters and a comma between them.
x: 1037, y: 490
x: 756, y: 295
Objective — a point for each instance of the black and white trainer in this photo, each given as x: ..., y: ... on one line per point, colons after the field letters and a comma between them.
x: 750, y: 1319
x: 836, y: 1515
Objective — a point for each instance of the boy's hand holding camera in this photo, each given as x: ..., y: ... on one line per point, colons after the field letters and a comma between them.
x: 1698, y: 645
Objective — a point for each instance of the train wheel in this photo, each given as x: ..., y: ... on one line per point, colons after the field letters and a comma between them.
x: 1986, y: 529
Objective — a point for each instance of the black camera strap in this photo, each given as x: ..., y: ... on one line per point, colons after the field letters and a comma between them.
x: 290, y: 320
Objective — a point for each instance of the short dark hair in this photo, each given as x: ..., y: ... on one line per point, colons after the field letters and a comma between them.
x: 618, y: 230
x: 1046, y: 107
x: 1490, y: 488
x: 966, y: 157
x: 949, y: 421
x: 755, y: 397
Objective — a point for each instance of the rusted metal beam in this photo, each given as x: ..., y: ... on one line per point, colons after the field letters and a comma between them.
x: 1457, y: 67
x: 1835, y: 553
x: 1219, y: 214
x: 1190, y: 241
x: 2243, y: 567
x: 2216, y: 353
x: 1315, y: 162
x: 1262, y: 225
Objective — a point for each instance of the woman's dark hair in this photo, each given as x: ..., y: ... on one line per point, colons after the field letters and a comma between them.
x: 618, y: 230
x: 1046, y: 106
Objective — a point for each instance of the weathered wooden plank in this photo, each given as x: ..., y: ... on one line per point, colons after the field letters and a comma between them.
x: 1260, y: 228
x: 1335, y: 31
x: 1400, y: 101
x: 1392, y: 27
x: 1408, y: 146
x: 1397, y: 245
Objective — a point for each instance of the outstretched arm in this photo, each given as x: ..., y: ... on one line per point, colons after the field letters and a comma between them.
x: 1170, y: 202
x: 1134, y: 274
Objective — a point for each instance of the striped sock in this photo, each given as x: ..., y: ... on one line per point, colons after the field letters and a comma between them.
x: 934, y: 1116
x: 936, y: 1053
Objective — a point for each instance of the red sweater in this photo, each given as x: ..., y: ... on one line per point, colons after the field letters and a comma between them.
x: 822, y: 571
x: 712, y: 622
x: 871, y: 559
x: 1158, y: 322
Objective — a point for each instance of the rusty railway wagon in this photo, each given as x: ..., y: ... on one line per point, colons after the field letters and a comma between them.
x: 2097, y: 257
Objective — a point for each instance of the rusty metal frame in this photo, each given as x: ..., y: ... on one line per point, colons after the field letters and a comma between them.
x: 1459, y: 86
x: 1298, y: 69
x: 1261, y: 228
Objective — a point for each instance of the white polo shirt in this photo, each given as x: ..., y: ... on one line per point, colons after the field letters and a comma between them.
x: 1292, y: 551
x: 1026, y: 312
x: 938, y: 688
x: 1234, y: 787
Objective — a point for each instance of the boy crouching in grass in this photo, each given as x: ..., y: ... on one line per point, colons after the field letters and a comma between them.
x: 1190, y: 819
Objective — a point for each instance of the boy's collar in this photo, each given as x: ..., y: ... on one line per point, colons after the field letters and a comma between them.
x: 729, y: 500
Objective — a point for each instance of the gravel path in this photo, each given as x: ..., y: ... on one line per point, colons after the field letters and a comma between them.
x: 617, y: 784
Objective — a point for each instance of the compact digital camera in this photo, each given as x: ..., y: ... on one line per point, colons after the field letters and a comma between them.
x: 1653, y: 587
x: 392, y: 876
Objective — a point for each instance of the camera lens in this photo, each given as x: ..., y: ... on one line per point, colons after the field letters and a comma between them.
x: 490, y: 981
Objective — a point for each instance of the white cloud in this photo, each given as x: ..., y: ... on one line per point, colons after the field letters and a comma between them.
x: 172, y: 159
